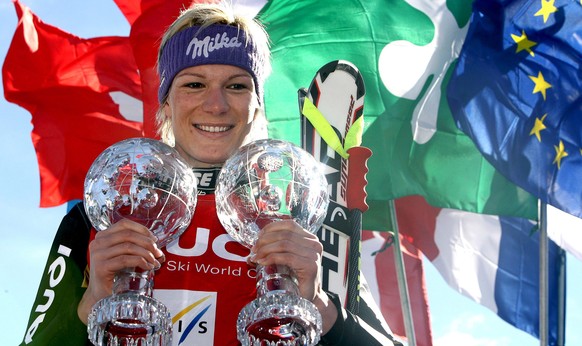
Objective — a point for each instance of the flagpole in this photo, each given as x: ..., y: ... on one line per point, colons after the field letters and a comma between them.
x: 562, y: 299
x: 543, y: 327
x: 402, y: 282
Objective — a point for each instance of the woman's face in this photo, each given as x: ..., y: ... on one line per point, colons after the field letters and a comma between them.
x: 212, y: 108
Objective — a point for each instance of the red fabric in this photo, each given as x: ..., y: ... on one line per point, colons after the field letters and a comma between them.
x: 416, y: 225
x: 65, y: 82
x: 131, y: 9
x: 389, y: 299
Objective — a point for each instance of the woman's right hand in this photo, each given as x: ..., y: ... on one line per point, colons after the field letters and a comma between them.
x: 126, y: 244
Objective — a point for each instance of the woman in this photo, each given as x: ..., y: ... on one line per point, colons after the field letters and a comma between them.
x: 212, y: 67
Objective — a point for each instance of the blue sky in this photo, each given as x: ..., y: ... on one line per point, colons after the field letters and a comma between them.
x: 28, y: 230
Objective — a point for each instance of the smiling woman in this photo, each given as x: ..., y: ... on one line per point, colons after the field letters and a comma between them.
x: 212, y: 64
x: 28, y: 230
x: 213, y: 110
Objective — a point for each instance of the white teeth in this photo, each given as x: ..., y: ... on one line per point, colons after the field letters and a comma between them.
x: 212, y: 128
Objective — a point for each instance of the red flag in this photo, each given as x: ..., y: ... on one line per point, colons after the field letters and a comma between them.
x: 131, y: 9
x: 83, y: 94
x: 416, y: 224
x: 380, y: 272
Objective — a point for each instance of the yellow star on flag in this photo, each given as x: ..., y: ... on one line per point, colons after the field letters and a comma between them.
x: 547, y: 9
x: 523, y: 43
x: 540, y: 84
x: 538, y: 127
x: 560, y: 153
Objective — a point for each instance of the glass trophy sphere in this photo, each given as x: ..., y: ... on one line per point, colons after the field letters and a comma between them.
x: 270, y: 180
x: 144, y: 180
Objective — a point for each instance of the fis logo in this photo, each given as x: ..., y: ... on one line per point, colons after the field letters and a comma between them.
x: 193, y: 315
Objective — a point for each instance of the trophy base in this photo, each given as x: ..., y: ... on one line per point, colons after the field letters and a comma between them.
x: 279, y: 319
x: 129, y: 319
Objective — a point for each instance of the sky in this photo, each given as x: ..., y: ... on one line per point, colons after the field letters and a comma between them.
x: 28, y: 230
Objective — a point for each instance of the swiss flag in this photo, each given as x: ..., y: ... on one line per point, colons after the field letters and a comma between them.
x: 83, y: 94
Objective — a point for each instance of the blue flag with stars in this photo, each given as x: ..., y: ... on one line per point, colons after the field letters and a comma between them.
x: 516, y: 91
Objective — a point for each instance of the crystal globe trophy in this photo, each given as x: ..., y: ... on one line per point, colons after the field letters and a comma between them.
x: 146, y: 181
x: 265, y: 181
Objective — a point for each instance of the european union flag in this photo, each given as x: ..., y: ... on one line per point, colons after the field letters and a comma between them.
x: 516, y: 91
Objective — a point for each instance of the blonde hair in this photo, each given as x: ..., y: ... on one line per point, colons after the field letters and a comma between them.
x: 204, y: 15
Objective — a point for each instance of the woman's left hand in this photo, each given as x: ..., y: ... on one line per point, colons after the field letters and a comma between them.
x: 287, y: 243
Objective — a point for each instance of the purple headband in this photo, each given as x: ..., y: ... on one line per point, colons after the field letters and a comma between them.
x: 215, y: 44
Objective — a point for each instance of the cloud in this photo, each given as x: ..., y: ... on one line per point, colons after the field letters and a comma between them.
x: 468, y: 331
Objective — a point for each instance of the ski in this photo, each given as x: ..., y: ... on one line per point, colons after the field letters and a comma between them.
x: 331, y: 130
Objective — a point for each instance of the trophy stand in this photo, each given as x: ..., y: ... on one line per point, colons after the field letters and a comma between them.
x: 130, y: 316
x: 279, y: 315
